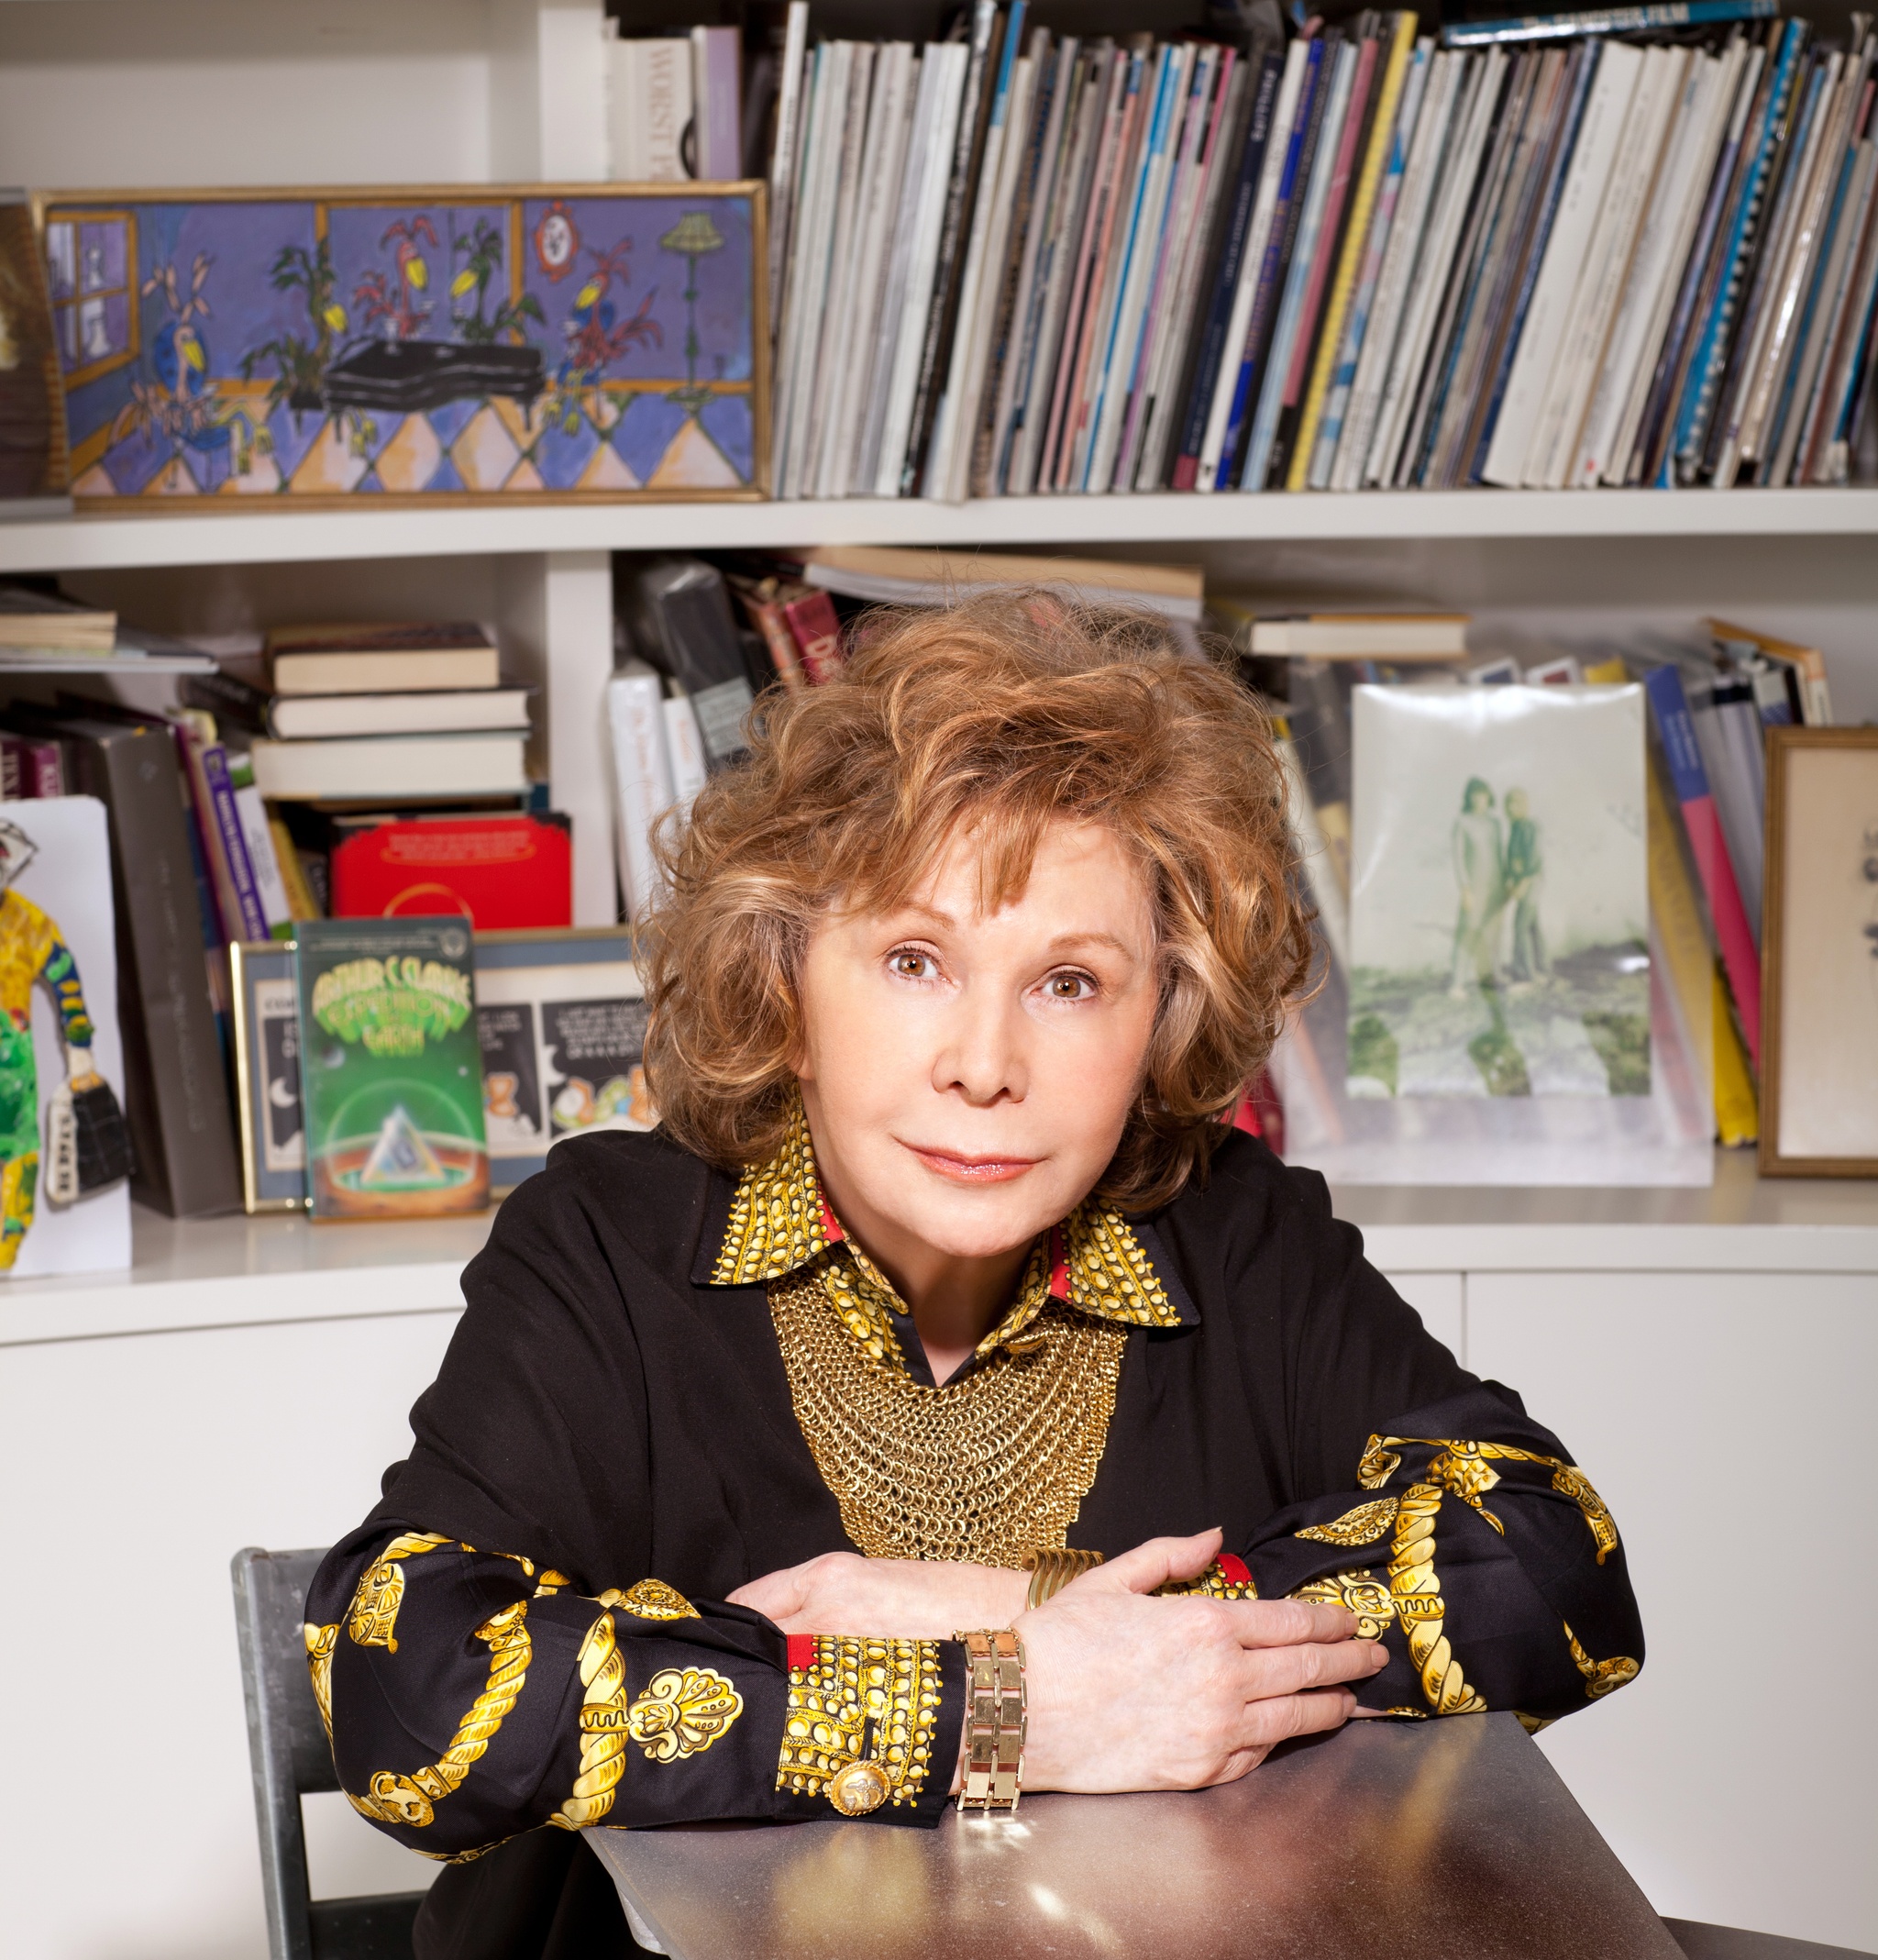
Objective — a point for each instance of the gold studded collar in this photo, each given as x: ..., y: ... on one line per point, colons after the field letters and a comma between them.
x: 1096, y: 1261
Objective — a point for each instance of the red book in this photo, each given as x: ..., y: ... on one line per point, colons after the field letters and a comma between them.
x: 29, y: 768
x: 500, y: 872
x: 817, y: 632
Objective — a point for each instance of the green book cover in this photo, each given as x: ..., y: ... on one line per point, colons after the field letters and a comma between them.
x: 390, y: 1070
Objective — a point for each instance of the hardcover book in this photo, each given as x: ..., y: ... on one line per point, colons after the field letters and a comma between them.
x: 391, y: 1068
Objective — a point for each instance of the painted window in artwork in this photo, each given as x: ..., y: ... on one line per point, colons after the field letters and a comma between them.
x: 90, y: 264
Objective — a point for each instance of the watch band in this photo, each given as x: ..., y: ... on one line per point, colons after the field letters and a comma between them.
x: 995, y: 1721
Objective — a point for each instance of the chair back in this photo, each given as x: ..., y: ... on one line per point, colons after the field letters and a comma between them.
x: 289, y: 1756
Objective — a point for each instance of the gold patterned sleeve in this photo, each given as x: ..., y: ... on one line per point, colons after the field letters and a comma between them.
x: 469, y: 1695
x: 1479, y: 1554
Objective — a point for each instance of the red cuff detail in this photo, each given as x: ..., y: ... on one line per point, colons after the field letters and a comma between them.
x: 801, y: 1651
x: 1234, y: 1571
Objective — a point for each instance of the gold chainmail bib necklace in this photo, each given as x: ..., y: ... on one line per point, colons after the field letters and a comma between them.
x: 984, y: 1470
x: 988, y: 1467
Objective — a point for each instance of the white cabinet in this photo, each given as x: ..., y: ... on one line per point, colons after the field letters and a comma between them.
x: 1727, y: 1419
x: 134, y: 1468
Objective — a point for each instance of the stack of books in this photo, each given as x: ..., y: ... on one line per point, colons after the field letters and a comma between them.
x: 1635, y: 247
x: 390, y: 714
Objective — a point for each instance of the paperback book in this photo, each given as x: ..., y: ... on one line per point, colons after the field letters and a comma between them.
x: 391, y: 1069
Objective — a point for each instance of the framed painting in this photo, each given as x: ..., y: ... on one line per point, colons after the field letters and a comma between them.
x: 1819, y: 955
x: 32, y: 411
x: 587, y: 341
x: 265, y: 1003
x: 561, y: 1016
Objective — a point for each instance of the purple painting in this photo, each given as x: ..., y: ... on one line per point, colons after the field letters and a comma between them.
x: 596, y: 343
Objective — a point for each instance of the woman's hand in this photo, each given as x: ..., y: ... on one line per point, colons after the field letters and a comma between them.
x: 896, y: 1599
x: 1127, y: 1692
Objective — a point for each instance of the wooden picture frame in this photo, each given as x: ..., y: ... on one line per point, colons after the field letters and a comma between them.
x: 550, y: 1002
x: 1819, y: 955
x: 264, y: 1007
x: 430, y: 346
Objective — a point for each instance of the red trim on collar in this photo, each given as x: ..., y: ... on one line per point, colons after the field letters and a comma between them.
x: 1059, y: 1265
x: 801, y: 1651
x: 831, y: 1226
x: 1233, y: 1570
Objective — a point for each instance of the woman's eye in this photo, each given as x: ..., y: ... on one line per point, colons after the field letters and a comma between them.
x: 913, y: 965
x: 1069, y: 986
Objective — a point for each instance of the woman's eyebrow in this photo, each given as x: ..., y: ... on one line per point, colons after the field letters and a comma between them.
x: 1068, y: 942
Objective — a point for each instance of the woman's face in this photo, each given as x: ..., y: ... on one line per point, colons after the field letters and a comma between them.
x: 967, y: 1075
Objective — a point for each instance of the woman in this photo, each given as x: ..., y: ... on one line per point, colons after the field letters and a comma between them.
x: 943, y: 1256
x: 1480, y: 872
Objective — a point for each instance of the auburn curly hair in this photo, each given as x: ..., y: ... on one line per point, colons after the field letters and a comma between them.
x: 996, y: 716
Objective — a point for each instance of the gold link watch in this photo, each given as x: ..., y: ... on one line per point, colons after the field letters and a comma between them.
x: 995, y: 1721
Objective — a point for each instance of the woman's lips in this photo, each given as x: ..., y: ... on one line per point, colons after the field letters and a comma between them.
x: 972, y: 1169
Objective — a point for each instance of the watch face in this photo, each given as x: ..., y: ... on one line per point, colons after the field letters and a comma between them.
x: 858, y: 1788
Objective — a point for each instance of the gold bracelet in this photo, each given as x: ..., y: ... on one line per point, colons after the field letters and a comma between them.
x: 1052, y: 1570
x: 995, y: 1721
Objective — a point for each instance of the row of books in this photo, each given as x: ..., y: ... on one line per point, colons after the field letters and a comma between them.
x: 1709, y: 705
x: 1017, y: 262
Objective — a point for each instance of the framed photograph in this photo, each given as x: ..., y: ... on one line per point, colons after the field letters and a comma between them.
x: 265, y: 1001
x: 561, y: 1016
x: 1500, y: 914
x: 1819, y: 955
x: 418, y: 345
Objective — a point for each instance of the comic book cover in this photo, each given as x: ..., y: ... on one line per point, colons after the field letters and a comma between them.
x: 390, y: 1070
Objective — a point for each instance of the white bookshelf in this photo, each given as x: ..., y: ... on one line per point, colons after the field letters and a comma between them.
x: 274, y: 535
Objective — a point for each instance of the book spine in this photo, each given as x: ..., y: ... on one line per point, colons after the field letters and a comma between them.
x: 642, y: 777
x: 1328, y: 365
x: 1705, y: 369
x: 1606, y: 21
x: 1114, y: 364
x: 230, y: 844
x: 1177, y: 373
x: 1363, y: 296
x: 684, y: 746
x: 782, y: 165
x: 716, y: 91
x: 1038, y: 193
x: 1036, y: 148
x: 1660, y: 250
x: 817, y: 633
x: 1316, y: 176
x: 1131, y: 343
x: 1670, y: 710
x: 1100, y: 293
x: 176, y: 1101
x: 1085, y: 265
x: 1650, y: 458
x: 270, y: 887
x: 946, y: 65
x: 1262, y: 277
x: 1169, y: 294
x: 1767, y: 315
x: 301, y: 902
x: 942, y: 319
x: 1394, y: 293
x: 1236, y: 231
x: 765, y: 615
x: 948, y: 471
